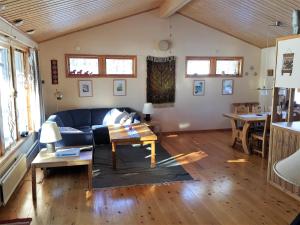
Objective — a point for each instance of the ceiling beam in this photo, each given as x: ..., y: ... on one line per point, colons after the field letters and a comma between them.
x: 170, y: 7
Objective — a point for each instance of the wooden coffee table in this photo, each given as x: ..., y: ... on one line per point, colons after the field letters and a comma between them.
x: 48, y: 160
x: 131, y: 134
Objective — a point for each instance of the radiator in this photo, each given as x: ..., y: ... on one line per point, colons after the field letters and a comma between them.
x: 12, y: 177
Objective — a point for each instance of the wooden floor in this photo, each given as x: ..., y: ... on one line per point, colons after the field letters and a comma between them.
x: 231, y: 189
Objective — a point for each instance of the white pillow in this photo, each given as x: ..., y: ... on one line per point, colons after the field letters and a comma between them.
x: 111, y: 116
x: 123, y: 116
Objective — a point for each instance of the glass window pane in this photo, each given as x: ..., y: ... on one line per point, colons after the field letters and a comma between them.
x: 7, y: 107
x: 87, y: 66
x: 198, y: 67
x: 227, y: 67
x: 21, y: 88
x: 119, y: 66
x: 297, y: 97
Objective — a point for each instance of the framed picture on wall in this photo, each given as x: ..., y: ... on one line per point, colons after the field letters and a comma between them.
x: 85, y: 88
x: 227, y: 87
x: 199, y: 88
x: 119, y: 87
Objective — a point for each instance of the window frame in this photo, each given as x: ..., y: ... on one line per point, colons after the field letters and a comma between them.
x: 101, y: 65
x: 67, y: 64
x: 213, y: 65
x: 12, y: 73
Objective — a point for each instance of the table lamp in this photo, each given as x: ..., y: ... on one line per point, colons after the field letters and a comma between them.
x: 148, y: 110
x: 49, y: 135
x: 288, y: 169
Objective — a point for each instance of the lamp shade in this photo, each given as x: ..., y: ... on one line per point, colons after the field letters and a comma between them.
x: 288, y: 168
x: 148, y: 108
x: 50, y: 133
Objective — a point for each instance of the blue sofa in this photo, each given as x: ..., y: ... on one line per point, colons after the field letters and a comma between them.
x: 85, y: 126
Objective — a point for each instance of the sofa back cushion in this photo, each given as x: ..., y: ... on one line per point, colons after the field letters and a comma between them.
x: 81, y: 117
x: 57, y: 120
x: 98, y: 115
x: 65, y: 118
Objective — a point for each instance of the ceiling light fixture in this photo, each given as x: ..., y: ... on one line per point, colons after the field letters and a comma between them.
x: 18, y: 22
x: 31, y: 31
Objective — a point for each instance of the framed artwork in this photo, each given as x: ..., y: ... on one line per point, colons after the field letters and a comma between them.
x: 199, y: 88
x: 287, y: 65
x: 119, y: 87
x: 54, y: 71
x: 85, y: 88
x: 270, y: 72
x: 227, y: 87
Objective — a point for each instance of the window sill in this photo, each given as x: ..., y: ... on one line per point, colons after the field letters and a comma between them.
x: 213, y: 76
x: 101, y: 76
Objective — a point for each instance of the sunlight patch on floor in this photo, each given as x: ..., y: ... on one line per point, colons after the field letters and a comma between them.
x: 183, y: 159
x: 237, y: 160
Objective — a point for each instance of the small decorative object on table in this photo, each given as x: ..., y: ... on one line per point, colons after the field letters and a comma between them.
x: 148, y: 110
x: 67, y: 152
x: 49, y: 135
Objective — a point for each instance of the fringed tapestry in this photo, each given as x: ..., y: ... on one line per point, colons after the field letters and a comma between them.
x: 161, y: 79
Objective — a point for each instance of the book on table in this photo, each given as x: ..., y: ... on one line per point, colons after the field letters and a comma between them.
x: 67, y: 152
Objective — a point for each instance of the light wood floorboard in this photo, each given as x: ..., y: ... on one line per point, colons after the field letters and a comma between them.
x: 230, y: 188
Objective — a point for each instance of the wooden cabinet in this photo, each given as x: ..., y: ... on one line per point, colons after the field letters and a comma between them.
x: 284, y: 141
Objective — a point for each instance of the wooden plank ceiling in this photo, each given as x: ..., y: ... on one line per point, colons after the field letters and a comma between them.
x: 248, y: 20
x: 53, y: 18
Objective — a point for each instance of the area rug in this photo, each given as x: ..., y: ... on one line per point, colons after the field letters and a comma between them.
x: 24, y: 221
x: 133, y: 167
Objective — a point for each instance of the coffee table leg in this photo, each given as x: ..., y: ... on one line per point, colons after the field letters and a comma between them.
x: 153, y: 164
x: 114, y: 160
x: 90, y: 175
x: 33, y: 172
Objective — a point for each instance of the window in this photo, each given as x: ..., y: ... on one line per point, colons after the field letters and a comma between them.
x: 100, y: 66
x: 228, y: 67
x: 198, y: 66
x: 82, y: 66
x: 214, y: 66
x: 120, y: 66
x: 18, y: 96
x: 297, y: 96
x: 7, y: 101
x: 21, y: 86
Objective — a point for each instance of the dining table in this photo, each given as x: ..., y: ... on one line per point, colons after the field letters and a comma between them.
x: 240, y: 125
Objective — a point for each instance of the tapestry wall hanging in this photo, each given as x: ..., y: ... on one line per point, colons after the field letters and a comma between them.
x: 161, y: 79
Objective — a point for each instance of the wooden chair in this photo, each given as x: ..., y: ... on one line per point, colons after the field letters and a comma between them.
x: 261, y: 139
x: 241, y: 109
x: 256, y: 109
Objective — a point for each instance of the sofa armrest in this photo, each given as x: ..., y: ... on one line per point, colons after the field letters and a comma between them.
x: 72, y: 137
x: 101, y: 134
x: 75, y: 139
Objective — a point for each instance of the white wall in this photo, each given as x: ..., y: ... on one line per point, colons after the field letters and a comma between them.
x: 139, y: 35
x: 268, y: 61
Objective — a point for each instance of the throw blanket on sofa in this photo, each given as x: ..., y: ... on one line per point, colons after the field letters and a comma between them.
x: 161, y: 79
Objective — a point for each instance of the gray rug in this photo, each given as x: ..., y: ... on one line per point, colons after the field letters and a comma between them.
x: 133, y: 167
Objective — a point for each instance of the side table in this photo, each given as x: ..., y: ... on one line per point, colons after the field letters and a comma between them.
x: 46, y: 159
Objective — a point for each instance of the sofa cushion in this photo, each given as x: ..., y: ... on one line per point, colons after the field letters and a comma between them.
x: 98, y: 115
x: 85, y: 129
x: 66, y: 118
x: 101, y: 134
x: 57, y: 120
x: 111, y: 116
x: 81, y: 117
